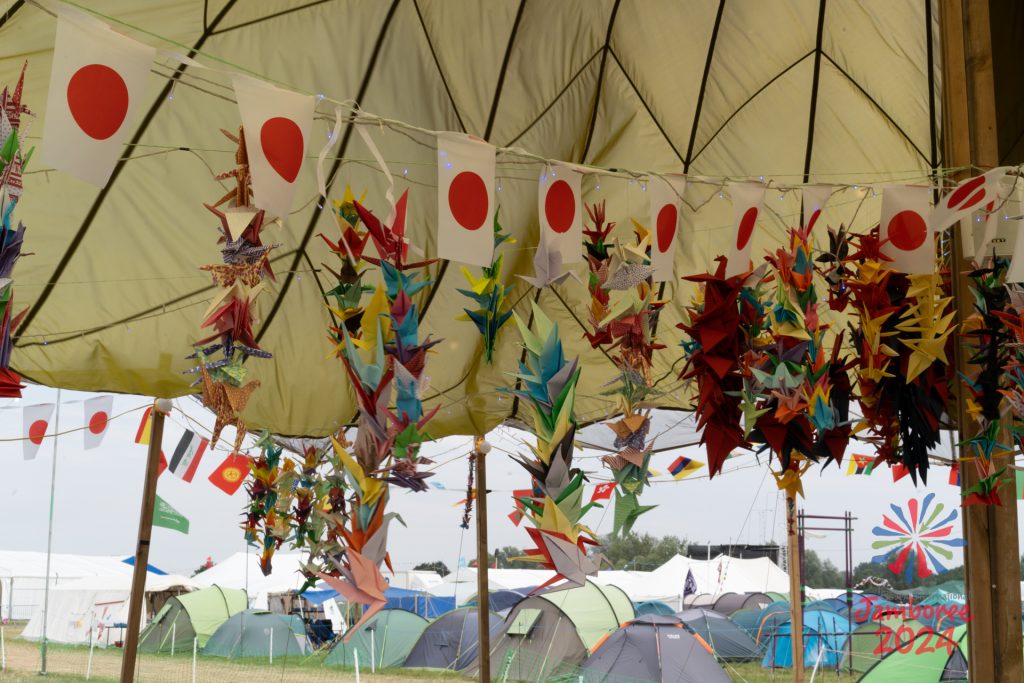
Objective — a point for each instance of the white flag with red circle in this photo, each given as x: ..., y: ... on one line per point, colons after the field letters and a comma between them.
x: 904, y: 223
x: 747, y: 201
x: 465, y: 199
x: 37, y: 425
x: 814, y: 198
x: 967, y: 197
x: 560, y: 208
x: 97, y: 85
x: 666, y: 197
x: 276, y: 124
x: 97, y: 415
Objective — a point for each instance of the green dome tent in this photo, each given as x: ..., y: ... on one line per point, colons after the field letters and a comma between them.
x: 257, y: 633
x: 390, y: 635
x: 545, y: 633
x: 869, y: 641
x: 943, y: 659
x: 192, y: 615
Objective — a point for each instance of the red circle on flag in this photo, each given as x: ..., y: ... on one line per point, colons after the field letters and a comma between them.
x: 961, y: 198
x: 98, y: 100
x: 667, y: 218
x: 98, y: 422
x: 467, y: 198
x: 907, y: 230
x: 283, y: 146
x: 746, y: 228
x: 560, y: 206
x: 36, y: 431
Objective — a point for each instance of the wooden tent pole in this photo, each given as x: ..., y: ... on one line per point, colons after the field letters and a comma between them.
x: 991, y: 556
x: 796, y: 607
x: 483, y: 598
x: 131, y: 643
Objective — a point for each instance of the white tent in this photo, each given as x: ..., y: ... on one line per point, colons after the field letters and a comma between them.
x: 242, y: 570
x: 88, y: 608
x: 722, y: 574
x: 461, y: 583
x: 23, y: 576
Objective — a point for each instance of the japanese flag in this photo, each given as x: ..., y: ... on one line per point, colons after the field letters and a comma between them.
x: 666, y: 193
x: 747, y: 199
x: 904, y: 222
x: 560, y: 208
x: 966, y: 198
x: 97, y: 85
x: 814, y: 198
x: 37, y: 424
x: 97, y: 416
x: 276, y: 124
x: 465, y: 199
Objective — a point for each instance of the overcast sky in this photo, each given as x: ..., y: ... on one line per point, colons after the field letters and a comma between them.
x: 98, y: 494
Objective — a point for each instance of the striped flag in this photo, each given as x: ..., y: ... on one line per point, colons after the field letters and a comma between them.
x: 899, y: 470
x: 683, y: 467
x: 954, y: 475
x: 145, y: 427
x: 860, y: 464
x: 187, y: 455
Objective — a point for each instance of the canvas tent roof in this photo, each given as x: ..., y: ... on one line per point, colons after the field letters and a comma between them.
x: 385, y: 640
x: 653, y: 648
x: 569, y: 80
x: 195, y: 615
x: 720, y: 575
x: 242, y: 572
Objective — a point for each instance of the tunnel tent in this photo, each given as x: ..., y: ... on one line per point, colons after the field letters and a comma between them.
x: 769, y: 618
x: 729, y: 642
x: 550, y: 633
x: 195, y: 615
x: 748, y: 620
x: 382, y: 642
x: 871, y: 640
x: 727, y: 603
x: 753, y: 601
x: 450, y: 641
x: 653, y: 648
x: 258, y: 633
x: 652, y: 607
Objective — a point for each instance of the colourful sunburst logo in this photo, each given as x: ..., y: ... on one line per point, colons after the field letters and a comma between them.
x: 917, y: 538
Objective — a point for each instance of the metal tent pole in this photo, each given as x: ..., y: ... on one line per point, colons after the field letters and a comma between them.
x: 49, y: 538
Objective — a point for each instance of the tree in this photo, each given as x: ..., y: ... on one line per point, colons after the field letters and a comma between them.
x: 821, y: 574
x: 641, y: 552
x: 436, y: 566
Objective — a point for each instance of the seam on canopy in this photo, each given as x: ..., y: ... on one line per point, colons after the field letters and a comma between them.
x: 815, y: 80
x: 437, y: 63
x: 275, y: 15
x: 346, y: 137
x: 11, y: 11
x: 600, y: 81
x: 76, y: 240
x: 643, y: 101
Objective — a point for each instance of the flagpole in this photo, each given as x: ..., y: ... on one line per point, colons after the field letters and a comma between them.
x: 160, y: 409
x: 49, y: 538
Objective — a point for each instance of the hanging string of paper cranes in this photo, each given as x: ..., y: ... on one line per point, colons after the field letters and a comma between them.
x: 761, y: 343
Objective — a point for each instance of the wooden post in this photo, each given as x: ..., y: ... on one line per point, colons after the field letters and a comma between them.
x: 796, y: 607
x: 131, y: 643
x: 483, y: 598
x: 991, y: 556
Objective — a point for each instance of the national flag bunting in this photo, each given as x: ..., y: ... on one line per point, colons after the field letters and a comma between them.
x: 230, y: 474
x: 860, y: 464
x: 683, y: 467
x: 145, y: 427
x: 899, y: 470
x: 603, y: 491
x: 954, y: 475
x: 97, y: 416
x: 1019, y: 480
x: 465, y: 199
x: 187, y: 455
x: 37, y: 424
x: 166, y: 516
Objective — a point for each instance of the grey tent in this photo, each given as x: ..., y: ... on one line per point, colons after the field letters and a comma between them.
x: 753, y: 601
x: 727, y: 603
x: 550, y: 634
x: 257, y: 633
x: 450, y: 641
x: 383, y: 641
x: 653, y: 648
x: 729, y: 642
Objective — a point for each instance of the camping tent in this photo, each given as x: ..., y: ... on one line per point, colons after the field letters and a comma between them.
x: 652, y: 607
x: 943, y: 660
x: 501, y: 600
x: 716, y: 577
x: 873, y: 639
x: 383, y: 641
x: 257, y: 633
x: 727, y: 603
x: 748, y: 620
x: 825, y: 636
x: 546, y: 632
x: 728, y: 641
x: 195, y: 615
x: 450, y: 641
x: 97, y: 604
x: 769, y: 619
x: 653, y: 648
x: 242, y: 571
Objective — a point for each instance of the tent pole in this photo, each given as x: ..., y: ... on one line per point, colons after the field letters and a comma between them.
x: 991, y: 556
x: 796, y: 607
x: 483, y: 598
x: 49, y: 539
x: 131, y: 643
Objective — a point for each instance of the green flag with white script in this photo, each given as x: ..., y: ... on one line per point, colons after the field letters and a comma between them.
x: 166, y: 516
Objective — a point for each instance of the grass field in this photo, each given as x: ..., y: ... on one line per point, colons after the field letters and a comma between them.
x: 67, y: 664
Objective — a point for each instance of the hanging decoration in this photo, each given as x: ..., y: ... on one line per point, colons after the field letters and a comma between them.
x: 489, y: 294
x: 915, y: 538
x: 13, y: 160
x: 623, y: 314
x: 467, y: 510
x: 349, y: 290
x: 554, y: 505
x: 268, y: 520
x: 225, y: 390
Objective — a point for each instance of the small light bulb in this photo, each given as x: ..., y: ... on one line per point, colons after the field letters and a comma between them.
x: 405, y: 171
x: 448, y: 165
